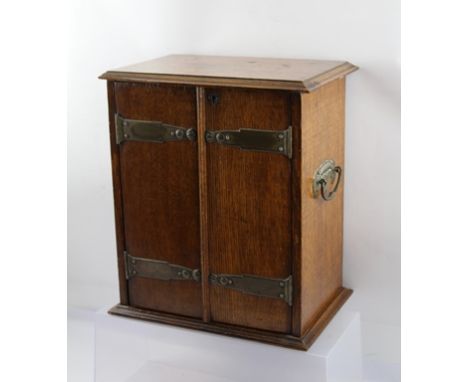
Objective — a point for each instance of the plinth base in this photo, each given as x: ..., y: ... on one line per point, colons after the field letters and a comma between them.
x: 301, y: 343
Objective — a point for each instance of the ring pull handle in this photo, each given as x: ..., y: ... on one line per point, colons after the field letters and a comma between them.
x: 329, y: 195
x: 327, y: 174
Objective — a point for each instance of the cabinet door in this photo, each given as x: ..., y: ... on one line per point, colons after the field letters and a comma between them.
x: 159, y: 183
x: 249, y: 208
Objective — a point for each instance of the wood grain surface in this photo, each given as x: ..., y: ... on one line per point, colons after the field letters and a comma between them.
x: 203, y: 196
x: 224, y: 210
x: 322, y: 138
x: 296, y: 208
x: 160, y: 196
x: 249, y: 210
x: 251, y: 72
x: 117, y: 189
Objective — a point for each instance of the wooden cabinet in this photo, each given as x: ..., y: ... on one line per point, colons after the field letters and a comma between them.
x: 228, y: 193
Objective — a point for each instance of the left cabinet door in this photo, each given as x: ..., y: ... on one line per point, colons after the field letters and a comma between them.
x: 159, y: 193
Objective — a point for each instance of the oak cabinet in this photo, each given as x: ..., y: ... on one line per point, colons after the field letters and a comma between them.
x: 228, y: 191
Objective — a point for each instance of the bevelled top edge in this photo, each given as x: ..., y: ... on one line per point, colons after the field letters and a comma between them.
x: 243, y: 72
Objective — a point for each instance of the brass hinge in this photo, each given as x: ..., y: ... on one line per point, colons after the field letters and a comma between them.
x: 150, y: 131
x: 273, y: 141
x: 257, y: 286
x: 156, y: 269
x: 250, y: 284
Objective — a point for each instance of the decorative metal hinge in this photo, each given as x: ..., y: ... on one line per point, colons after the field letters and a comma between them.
x: 257, y: 286
x: 273, y: 141
x: 150, y: 131
x: 156, y: 269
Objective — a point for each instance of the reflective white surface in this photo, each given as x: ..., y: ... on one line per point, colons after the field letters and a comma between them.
x: 129, y: 350
x: 380, y: 342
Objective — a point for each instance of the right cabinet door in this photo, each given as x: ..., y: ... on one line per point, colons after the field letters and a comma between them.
x: 249, y: 210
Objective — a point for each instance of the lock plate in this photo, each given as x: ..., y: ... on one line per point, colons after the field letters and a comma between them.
x: 157, y: 269
x: 255, y: 285
x: 150, y: 131
x: 273, y: 141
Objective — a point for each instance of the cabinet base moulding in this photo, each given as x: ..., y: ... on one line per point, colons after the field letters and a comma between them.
x: 286, y: 340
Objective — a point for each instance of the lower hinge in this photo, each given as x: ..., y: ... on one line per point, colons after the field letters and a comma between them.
x: 249, y: 284
x: 255, y: 285
x: 157, y: 269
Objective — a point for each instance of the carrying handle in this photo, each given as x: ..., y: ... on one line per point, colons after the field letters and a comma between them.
x: 329, y: 195
x: 328, y: 173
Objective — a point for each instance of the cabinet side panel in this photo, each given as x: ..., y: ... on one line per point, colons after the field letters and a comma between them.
x: 322, y: 221
x: 117, y: 186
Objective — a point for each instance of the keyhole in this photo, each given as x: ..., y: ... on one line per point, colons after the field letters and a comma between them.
x: 213, y: 98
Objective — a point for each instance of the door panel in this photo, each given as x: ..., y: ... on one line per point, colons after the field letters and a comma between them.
x: 160, y: 196
x: 249, y: 207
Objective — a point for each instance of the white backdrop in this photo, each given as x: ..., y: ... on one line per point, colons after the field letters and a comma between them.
x: 106, y: 34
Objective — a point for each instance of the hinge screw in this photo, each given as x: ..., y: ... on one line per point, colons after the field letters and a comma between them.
x: 191, y: 134
x: 220, y: 137
x: 185, y: 274
x: 179, y: 134
x: 223, y: 280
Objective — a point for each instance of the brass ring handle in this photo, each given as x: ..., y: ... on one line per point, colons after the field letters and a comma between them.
x: 328, y: 173
x: 329, y: 195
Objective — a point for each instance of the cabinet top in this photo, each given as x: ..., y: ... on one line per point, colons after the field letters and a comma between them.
x: 247, y: 72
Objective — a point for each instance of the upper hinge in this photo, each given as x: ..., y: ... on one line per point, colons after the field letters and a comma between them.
x: 273, y: 141
x: 157, y: 269
x: 150, y: 131
x: 257, y: 286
